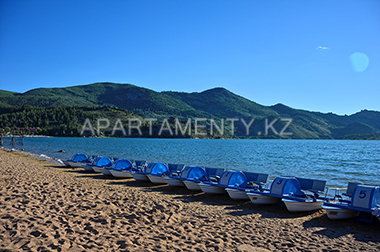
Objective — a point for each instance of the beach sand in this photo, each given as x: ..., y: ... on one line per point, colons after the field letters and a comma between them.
x: 46, y: 207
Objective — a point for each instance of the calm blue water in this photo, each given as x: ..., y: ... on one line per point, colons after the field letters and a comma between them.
x: 336, y: 161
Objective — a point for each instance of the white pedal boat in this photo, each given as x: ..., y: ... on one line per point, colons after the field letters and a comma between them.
x: 106, y: 172
x: 211, y: 188
x: 97, y: 169
x: 173, y: 182
x: 156, y: 179
x: 261, y: 199
x: 76, y: 164
x: 303, y: 206
x: 236, y: 194
x: 139, y: 176
x: 336, y: 213
x: 191, y: 185
x: 87, y: 168
x: 121, y: 174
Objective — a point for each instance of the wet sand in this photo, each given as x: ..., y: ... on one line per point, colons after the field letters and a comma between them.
x: 46, y: 207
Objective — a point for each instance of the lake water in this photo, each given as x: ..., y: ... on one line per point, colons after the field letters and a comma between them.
x: 336, y: 161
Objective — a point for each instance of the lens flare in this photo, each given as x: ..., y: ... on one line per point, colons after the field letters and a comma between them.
x: 359, y: 61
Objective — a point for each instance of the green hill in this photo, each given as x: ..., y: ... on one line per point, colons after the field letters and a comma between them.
x: 222, y: 103
x: 217, y: 103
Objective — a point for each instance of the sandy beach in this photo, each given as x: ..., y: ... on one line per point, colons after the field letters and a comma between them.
x: 46, y: 207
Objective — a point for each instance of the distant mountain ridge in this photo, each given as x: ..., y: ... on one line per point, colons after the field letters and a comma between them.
x: 216, y: 103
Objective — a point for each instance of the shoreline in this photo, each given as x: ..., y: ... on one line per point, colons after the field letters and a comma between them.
x: 370, y: 138
x: 336, y: 176
x: 48, y: 206
x: 53, y: 160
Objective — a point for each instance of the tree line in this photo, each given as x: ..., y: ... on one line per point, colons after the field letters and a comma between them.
x: 53, y: 121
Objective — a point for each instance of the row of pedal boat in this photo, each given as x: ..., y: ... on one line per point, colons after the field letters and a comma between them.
x: 298, y: 194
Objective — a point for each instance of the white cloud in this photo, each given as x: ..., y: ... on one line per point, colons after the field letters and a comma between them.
x: 322, y: 48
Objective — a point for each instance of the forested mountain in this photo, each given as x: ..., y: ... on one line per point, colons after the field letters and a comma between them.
x: 112, y: 100
x: 56, y: 121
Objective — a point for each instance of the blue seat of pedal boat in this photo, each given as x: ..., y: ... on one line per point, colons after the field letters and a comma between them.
x: 254, y: 180
x: 79, y: 158
x: 121, y: 165
x: 229, y: 178
x: 281, y: 187
x: 191, y: 173
x: 154, y: 168
x: 102, y: 162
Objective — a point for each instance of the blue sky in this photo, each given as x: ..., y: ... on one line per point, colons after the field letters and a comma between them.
x: 314, y: 55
